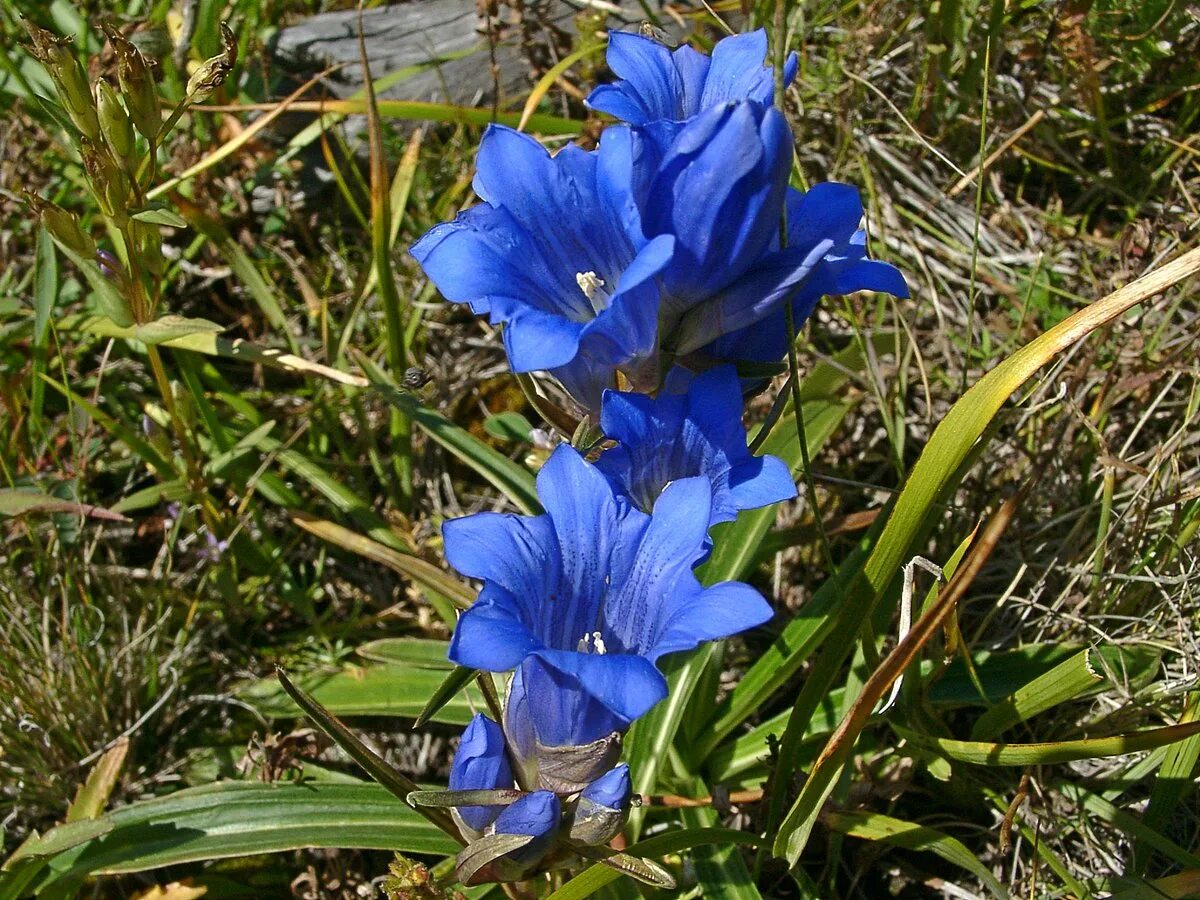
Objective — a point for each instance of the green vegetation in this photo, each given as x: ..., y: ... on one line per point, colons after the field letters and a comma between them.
x: 229, y: 442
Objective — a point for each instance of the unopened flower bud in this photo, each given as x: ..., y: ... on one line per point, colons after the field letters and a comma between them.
x: 114, y: 121
x: 603, y: 807
x: 70, y: 81
x: 137, y: 84
x: 213, y: 72
x: 109, y: 182
x: 62, y: 225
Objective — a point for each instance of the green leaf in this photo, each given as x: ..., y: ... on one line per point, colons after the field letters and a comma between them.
x: 109, y: 301
x: 514, y: 481
x: 875, y: 827
x: 93, y: 794
x: 371, y: 762
x: 233, y: 819
x: 508, y: 426
x: 428, y: 576
x: 1064, y: 682
x: 453, y: 684
x: 424, y: 653
x: 936, y: 472
x: 591, y: 880
x: 379, y: 690
x: 160, y: 331
x: 160, y: 215
x: 21, y: 501
x: 1172, y: 782
x: 982, y: 753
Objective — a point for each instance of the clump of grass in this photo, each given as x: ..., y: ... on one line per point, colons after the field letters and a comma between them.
x: 84, y: 662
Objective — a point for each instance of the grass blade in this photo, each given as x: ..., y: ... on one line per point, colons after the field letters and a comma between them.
x: 871, y: 826
x: 372, y: 763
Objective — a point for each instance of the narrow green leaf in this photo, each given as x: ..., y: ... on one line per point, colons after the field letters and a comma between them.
x: 1065, y: 681
x: 93, y: 794
x: 424, y: 653
x: 456, y: 681
x: 981, y: 753
x: 1173, y: 781
x: 21, y: 501
x: 508, y: 426
x: 416, y: 110
x: 160, y: 331
x: 175, y: 490
x: 591, y: 880
x: 871, y: 826
x: 514, y: 481
x: 371, y: 762
x: 234, y: 819
x: 159, y: 215
x: 428, y: 576
x: 45, y: 296
x: 377, y: 690
x: 109, y: 301
x: 1134, y: 828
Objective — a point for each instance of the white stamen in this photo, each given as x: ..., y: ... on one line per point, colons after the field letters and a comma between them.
x: 590, y: 283
x: 592, y: 643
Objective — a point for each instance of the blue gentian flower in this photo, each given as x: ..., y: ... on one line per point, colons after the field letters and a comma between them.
x: 824, y: 221
x: 587, y: 597
x: 480, y: 764
x: 553, y: 254
x: 657, y: 83
x: 675, y: 436
x: 716, y: 183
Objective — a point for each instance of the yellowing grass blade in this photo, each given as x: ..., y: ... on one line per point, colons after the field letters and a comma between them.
x: 934, y: 473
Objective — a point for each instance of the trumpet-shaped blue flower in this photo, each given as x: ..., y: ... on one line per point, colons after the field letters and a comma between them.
x: 822, y: 227
x: 480, y: 764
x: 552, y: 255
x: 718, y: 183
x: 587, y: 597
x: 677, y: 436
x: 657, y: 83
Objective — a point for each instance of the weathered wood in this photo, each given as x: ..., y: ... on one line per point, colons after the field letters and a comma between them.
x: 406, y: 35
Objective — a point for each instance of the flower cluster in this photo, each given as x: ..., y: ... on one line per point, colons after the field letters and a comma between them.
x: 655, y: 262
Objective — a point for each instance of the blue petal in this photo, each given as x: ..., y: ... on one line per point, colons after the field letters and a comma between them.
x: 738, y: 71
x: 537, y: 341
x: 720, y: 190
x: 628, y: 329
x: 716, y: 612
x: 519, y: 553
x: 535, y: 814
x: 493, y: 634
x: 828, y: 210
x: 761, y: 481
x: 538, y: 815
x: 594, y: 533
x: 576, y: 698
x: 480, y: 763
x: 760, y: 292
x: 612, y: 789
x: 661, y: 569
x: 652, y: 86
